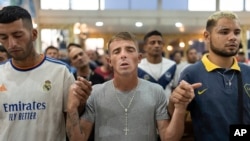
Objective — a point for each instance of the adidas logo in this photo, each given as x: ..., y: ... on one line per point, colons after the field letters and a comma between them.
x: 2, y: 88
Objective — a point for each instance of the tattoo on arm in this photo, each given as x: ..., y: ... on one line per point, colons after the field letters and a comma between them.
x: 73, y: 118
x: 72, y: 123
x: 81, y: 128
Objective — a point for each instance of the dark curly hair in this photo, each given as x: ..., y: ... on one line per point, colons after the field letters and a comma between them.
x: 10, y: 14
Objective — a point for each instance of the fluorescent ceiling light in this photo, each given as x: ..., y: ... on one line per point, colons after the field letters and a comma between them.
x: 178, y: 24
x: 138, y: 24
x: 99, y: 23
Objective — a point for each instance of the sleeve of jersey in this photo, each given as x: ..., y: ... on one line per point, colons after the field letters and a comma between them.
x: 68, y: 81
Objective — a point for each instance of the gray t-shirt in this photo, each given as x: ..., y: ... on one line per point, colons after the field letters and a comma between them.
x: 104, y: 110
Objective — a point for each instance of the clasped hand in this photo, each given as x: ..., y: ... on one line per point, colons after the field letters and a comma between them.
x: 79, y: 92
x: 183, y: 94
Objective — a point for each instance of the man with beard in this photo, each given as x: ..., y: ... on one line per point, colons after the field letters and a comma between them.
x: 33, y: 87
x: 191, y: 55
x: 223, y: 99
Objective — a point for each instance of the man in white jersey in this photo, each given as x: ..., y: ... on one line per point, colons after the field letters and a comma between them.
x: 155, y: 67
x: 33, y: 88
x: 125, y: 108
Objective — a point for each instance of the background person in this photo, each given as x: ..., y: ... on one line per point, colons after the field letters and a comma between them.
x: 105, y: 70
x: 80, y: 60
x: 154, y: 67
x: 52, y: 52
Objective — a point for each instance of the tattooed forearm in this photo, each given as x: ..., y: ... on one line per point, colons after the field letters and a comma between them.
x: 72, y: 123
x: 68, y: 129
x: 73, y: 118
x: 81, y: 128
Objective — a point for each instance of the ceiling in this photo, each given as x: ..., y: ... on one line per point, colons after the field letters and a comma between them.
x: 116, y: 21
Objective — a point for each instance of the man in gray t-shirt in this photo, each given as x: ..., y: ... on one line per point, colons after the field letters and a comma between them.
x: 111, y: 121
x: 125, y: 108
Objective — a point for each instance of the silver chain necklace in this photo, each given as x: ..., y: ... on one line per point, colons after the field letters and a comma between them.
x: 228, y: 80
x: 126, y: 129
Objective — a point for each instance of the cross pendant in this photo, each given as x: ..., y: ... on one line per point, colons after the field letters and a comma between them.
x: 126, y: 130
x: 229, y: 83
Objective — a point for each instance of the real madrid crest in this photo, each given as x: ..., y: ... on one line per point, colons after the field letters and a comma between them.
x: 47, y: 86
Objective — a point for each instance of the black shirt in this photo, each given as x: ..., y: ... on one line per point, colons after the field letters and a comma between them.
x: 94, y: 78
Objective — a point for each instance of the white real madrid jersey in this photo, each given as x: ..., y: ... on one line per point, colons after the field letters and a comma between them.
x: 33, y: 101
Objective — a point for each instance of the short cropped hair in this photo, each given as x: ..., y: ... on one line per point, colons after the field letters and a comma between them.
x: 73, y: 45
x: 189, y: 49
x: 51, y: 47
x: 10, y: 14
x: 213, y: 19
x: 151, y: 33
x: 124, y: 36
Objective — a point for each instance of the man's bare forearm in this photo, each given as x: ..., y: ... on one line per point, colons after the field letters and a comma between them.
x: 74, y: 130
x: 170, y: 108
x: 175, y: 129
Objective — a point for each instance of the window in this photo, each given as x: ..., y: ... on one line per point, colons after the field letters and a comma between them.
x: 174, y: 5
x: 247, y: 5
x: 232, y: 5
x: 114, y: 4
x: 129, y: 4
x: 55, y: 37
x: 4, y: 3
x: 26, y: 4
x: 95, y: 44
x: 55, y: 4
x: 144, y: 5
x: 84, y: 4
x: 201, y: 5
